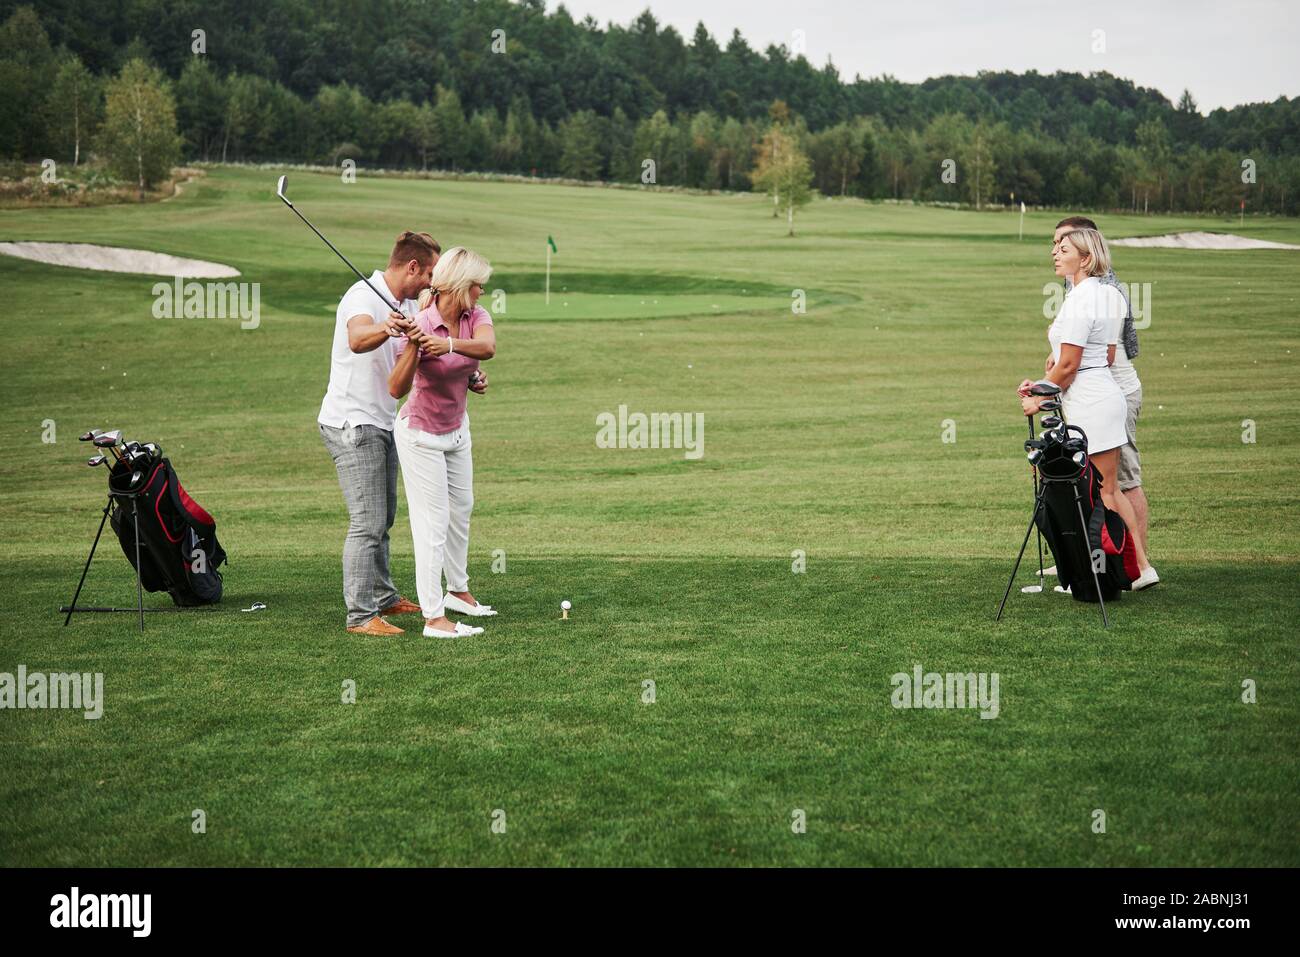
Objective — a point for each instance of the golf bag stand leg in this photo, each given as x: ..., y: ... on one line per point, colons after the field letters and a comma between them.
x: 77, y: 594
x: 1033, y: 523
x: 1092, y: 562
x: 139, y: 581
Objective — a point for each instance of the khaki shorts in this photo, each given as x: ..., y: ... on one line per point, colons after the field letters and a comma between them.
x: 1128, y: 474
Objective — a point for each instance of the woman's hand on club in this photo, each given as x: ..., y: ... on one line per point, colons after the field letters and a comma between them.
x: 418, y: 339
x: 479, y: 384
x: 1022, y: 390
x: 437, y: 345
x: 1030, y: 404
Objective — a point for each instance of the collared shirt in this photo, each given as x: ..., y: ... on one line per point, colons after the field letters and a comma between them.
x: 358, y: 388
x: 1088, y: 318
x: 1129, y: 334
x: 441, y: 384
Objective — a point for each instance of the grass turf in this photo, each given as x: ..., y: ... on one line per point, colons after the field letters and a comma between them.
x: 823, y: 434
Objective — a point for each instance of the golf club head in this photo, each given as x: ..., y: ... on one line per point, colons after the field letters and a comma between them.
x: 1049, y: 405
x: 1034, y: 455
x: 107, y: 440
x: 280, y: 188
x: 99, y: 459
x: 1050, y: 421
x: 88, y: 436
x: 136, y: 479
x: 1043, y: 387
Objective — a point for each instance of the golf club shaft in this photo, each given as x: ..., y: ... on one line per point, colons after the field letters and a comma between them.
x: 337, y: 253
x: 1033, y: 471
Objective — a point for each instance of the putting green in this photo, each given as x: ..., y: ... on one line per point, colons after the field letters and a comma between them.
x: 573, y: 306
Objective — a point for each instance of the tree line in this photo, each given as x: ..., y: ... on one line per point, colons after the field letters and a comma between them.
x: 489, y: 85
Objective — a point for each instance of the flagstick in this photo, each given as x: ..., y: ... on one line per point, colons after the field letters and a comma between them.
x: 548, y: 273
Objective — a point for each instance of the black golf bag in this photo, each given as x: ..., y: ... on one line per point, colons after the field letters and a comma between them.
x: 1071, y: 499
x: 179, y: 551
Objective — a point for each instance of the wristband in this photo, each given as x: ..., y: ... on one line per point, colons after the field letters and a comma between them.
x: 450, y: 350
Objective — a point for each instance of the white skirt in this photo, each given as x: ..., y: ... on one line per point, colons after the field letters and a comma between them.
x: 1095, y: 404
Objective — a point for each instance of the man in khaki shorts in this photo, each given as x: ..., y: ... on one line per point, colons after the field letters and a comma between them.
x: 1124, y: 346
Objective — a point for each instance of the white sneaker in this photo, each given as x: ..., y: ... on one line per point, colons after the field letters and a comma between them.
x: 1146, y: 579
x: 452, y: 603
x: 1062, y: 590
x: 461, y: 630
x: 1049, y: 571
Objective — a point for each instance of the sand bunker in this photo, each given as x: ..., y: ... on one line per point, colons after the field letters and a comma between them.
x: 115, y: 259
x: 1199, y: 240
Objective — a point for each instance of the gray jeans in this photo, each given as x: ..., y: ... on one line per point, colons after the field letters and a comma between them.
x: 366, y: 459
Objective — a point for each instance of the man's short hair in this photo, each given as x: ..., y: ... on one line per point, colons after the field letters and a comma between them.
x: 1077, y: 222
x: 418, y: 246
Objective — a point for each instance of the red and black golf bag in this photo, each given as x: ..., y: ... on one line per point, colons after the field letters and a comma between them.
x: 1072, y: 502
x: 179, y: 551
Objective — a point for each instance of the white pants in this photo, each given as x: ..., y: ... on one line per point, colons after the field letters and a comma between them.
x: 438, y: 473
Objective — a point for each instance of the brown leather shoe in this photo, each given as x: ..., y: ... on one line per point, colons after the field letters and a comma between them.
x: 403, y: 607
x: 377, y: 627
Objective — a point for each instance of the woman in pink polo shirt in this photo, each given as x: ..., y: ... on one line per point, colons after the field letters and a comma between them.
x: 437, y: 363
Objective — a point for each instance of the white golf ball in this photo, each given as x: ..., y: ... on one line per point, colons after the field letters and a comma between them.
x: 566, y: 605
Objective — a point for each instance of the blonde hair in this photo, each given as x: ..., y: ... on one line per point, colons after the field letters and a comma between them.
x: 457, y: 269
x: 1091, y: 245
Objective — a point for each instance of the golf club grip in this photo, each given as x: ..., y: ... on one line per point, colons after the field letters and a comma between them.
x: 381, y: 296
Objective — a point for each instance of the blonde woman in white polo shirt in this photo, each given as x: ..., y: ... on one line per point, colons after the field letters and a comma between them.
x: 1080, y: 338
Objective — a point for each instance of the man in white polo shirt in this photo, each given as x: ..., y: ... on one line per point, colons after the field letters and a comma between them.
x: 356, y: 422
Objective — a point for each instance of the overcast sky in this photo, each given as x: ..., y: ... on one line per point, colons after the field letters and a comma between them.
x: 1226, y: 53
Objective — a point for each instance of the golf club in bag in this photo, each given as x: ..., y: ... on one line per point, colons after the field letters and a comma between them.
x: 168, y: 538
x: 1096, y: 558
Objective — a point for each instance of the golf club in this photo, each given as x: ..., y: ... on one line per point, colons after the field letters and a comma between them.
x: 279, y: 191
x: 1034, y: 451
x: 99, y: 459
x: 109, y: 440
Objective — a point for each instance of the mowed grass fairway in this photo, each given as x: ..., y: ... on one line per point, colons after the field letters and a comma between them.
x: 822, y: 434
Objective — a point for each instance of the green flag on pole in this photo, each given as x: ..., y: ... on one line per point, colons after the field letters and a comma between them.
x: 550, y: 248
